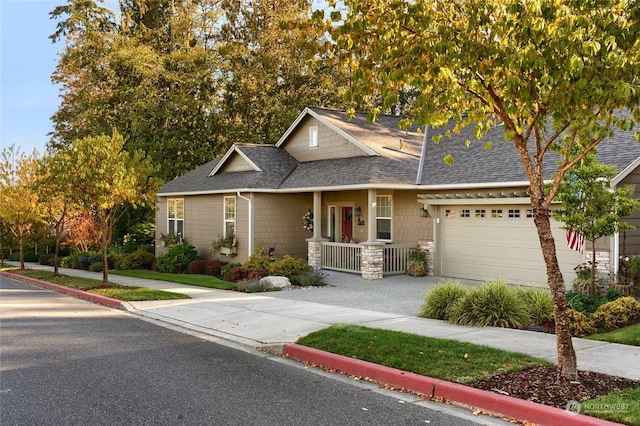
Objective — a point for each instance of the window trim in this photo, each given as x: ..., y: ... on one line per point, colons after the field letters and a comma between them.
x: 176, y: 219
x: 313, y: 137
x: 226, y: 221
x: 389, y: 218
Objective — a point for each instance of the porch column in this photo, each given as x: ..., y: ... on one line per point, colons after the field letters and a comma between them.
x: 372, y: 227
x: 317, y: 214
x: 372, y: 260
x: 314, y: 244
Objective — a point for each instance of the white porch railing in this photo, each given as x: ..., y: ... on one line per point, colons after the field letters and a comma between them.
x: 345, y: 257
x: 395, y: 258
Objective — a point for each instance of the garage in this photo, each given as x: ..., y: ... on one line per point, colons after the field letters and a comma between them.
x: 482, y: 241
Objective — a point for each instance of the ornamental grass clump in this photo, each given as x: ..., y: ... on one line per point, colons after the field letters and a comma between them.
x: 441, y: 299
x: 492, y: 303
x: 538, y: 304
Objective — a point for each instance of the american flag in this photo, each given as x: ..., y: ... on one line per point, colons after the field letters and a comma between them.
x: 575, y: 241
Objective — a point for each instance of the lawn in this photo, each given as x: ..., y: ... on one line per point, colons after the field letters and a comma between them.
x: 621, y: 406
x: 115, y: 291
x: 438, y: 358
x: 189, y: 279
x: 627, y: 335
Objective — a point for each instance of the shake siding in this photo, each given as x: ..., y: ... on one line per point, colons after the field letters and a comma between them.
x: 203, y: 221
x: 278, y: 223
x: 236, y: 164
x: 330, y: 143
x: 632, y: 240
x: 408, y: 226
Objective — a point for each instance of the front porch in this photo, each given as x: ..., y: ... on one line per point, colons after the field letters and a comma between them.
x: 371, y: 259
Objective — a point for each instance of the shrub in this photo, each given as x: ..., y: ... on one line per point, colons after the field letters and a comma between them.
x: 259, y: 260
x: 579, y: 324
x: 311, y: 279
x: 289, y: 267
x: 251, y: 286
x: 28, y: 256
x: 80, y: 260
x: 46, y: 259
x: 224, y: 270
x: 538, y: 304
x: 139, y: 259
x: 589, y: 304
x: 619, y: 313
x: 197, y: 267
x: 214, y: 268
x: 236, y: 274
x: 96, y: 267
x: 177, y: 259
x: 256, y: 274
x: 491, y: 304
x: 441, y: 299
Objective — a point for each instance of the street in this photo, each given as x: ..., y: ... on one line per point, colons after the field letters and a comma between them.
x: 68, y: 362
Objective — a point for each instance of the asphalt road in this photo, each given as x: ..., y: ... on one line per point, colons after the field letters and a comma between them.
x: 68, y: 362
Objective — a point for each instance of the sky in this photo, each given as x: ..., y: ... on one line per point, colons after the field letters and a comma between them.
x: 27, y: 60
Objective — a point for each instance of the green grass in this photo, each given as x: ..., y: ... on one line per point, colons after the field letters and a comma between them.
x: 115, y: 291
x: 627, y: 336
x: 620, y: 406
x: 189, y: 279
x: 438, y: 358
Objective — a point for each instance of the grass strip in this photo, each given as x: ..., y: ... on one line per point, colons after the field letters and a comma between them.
x: 444, y: 359
x: 627, y: 336
x: 115, y: 291
x: 621, y: 406
x: 189, y: 279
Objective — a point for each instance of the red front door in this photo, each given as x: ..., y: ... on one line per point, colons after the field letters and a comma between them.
x: 347, y: 224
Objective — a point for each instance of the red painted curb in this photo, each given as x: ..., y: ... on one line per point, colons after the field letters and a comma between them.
x: 95, y: 298
x: 488, y: 401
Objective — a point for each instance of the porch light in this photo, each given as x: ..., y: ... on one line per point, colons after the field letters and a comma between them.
x: 424, y: 213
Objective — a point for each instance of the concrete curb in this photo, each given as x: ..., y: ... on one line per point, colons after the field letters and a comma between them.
x: 490, y: 402
x: 80, y: 294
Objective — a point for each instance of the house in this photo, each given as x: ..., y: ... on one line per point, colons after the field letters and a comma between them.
x: 375, y: 191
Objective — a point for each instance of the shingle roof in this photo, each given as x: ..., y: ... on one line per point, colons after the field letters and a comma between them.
x: 473, y: 164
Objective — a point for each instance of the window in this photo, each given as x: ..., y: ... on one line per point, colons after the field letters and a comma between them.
x: 313, y: 137
x: 514, y: 213
x: 465, y: 213
x: 481, y: 212
x: 450, y: 213
x: 383, y: 217
x: 175, y: 216
x: 496, y: 213
x: 529, y: 213
x: 229, y: 216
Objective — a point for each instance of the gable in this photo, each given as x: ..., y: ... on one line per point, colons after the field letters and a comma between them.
x: 236, y: 163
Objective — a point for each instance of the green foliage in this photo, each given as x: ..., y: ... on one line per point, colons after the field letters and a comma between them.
x: 139, y: 259
x: 224, y: 270
x: 177, y: 259
x: 441, y: 299
x: 80, y: 259
x: 619, y: 313
x: 290, y: 268
x: 259, y: 260
x: 589, y: 304
x: 96, y: 267
x: 140, y: 235
x: 28, y: 257
x: 311, y: 279
x: 492, y: 303
x: 251, y: 286
x: 538, y: 304
x: 235, y: 274
x: 46, y: 259
x: 579, y: 324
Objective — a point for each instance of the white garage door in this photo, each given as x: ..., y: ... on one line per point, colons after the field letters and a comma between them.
x: 498, y: 241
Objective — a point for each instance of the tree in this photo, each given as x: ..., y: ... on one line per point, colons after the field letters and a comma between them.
x: 553, y: 73
x: 591, y: 208
x: 272, y: 67
x: 104, y: 178
x: 20, y: 210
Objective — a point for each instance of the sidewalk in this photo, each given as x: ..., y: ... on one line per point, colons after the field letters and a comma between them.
x: 279, y: 318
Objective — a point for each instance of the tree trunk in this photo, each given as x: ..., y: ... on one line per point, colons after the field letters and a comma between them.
x: 567, y: 363
x: 21, y: 250
x: 105, y: 263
